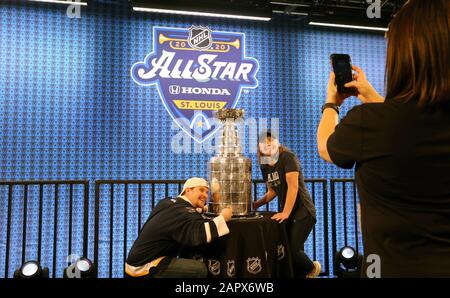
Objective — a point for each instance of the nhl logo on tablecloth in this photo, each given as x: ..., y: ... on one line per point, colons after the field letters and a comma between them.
x: 280, y: 252
x: 231, y: 268
x: 254, y: 265
x: 214, y: 267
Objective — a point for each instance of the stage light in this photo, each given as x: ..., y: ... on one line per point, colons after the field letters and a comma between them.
x: 81, y: 268
x: 347, y: 263
x: 31, y: 269
x: 254, y: 10
x: 70, y: 2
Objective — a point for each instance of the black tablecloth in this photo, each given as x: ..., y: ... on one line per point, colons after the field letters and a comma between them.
x: 256, y: 247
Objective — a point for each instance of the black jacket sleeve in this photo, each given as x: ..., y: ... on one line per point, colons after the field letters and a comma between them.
x: 191, y: 229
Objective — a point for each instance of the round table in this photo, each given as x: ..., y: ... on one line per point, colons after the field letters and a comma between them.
x: 255, y: 247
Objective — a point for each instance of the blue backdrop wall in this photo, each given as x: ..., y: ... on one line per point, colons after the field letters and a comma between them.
x: 69, y: 108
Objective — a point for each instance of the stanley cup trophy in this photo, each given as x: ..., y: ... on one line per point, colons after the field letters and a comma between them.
x: 230, y: 173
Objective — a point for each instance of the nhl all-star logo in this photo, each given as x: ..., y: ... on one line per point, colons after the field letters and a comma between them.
x: 214, y: 267
x: 231, y: 268
x: 197, y: 71
x: 200, y: 37
x: 280, y: 252
x: 254, y: 265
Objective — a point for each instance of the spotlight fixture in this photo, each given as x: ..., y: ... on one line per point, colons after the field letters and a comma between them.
x: 347, y: 263
x: 68, y: 2
x: 81, y: 268
x: 250, y: 10
x: 31, y: 269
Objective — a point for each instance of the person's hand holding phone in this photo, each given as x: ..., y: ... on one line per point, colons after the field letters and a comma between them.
x: 333, y: 96
x: 341, y: 74
x: 364, y: 90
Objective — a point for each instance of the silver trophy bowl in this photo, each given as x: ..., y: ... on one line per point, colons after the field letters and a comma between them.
x: 230, y: 173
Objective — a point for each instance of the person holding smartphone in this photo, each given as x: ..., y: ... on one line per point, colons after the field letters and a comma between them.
x: 400, y: 145
x: 281, y: 171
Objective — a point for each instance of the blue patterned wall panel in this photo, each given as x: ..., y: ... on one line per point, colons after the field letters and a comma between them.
x: 70, y: 110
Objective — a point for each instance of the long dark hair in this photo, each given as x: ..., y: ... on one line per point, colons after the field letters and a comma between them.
x: 418, y: 60
x: 281, y: 149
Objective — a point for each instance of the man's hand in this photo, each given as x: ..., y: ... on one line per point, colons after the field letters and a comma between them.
x: 227, y: 213
x: 280, y: 217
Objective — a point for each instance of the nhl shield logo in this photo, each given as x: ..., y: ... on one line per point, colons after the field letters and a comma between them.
x: 214, y: 267
x: 197, y: 71
x: 254, y: 265
x: 280, y: 252
x: 231, y: 268
x: 200, y: 37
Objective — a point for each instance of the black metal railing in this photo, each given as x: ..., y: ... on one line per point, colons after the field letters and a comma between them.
x: 343, y: 203
x: 314, y: 186
x: 26, y: 186
x: 107, y: 188
x: 126, y: 183
x: 323, y: 185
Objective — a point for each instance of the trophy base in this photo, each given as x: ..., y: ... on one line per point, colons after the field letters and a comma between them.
x: 251, y: 215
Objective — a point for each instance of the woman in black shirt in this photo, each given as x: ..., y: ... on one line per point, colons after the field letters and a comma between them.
x: 281, y: 170
x: 400, y: 146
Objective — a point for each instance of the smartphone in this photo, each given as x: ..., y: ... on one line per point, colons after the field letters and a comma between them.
x: 342, y: 68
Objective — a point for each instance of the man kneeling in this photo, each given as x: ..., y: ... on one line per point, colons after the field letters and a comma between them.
x: 174, y: 224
